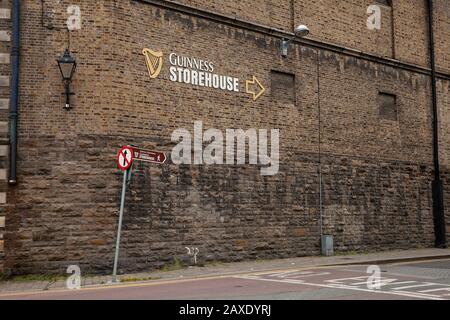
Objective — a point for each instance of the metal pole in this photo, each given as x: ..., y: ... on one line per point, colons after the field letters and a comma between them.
x: 437, y: 185
x: 320, y: 147
x: 67, y: 85
x: 119, y: 228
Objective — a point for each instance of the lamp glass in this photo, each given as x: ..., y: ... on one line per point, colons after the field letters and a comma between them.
x: 301, y: 31
x: 67, y: 65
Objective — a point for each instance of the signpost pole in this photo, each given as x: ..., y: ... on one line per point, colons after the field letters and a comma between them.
x: 119, y: 228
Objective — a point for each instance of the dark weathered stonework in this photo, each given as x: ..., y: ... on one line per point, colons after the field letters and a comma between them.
x: 69, y: 209
x: 376, y: 173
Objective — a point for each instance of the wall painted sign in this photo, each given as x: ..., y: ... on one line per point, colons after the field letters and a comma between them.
x: 198, y: 72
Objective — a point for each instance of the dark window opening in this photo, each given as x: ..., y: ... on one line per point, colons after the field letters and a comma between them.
x: 282, y: 87
x: 387, y: 103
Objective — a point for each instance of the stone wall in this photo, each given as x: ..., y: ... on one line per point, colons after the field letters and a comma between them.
x: 68, y: 209
x: 376, y: 173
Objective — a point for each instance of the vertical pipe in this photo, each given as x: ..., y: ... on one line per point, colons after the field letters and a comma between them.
x: 437, y: 188
x: 393, y: 30
x: 293, y: 14
x: 14, y: 93
x: 320, y: 146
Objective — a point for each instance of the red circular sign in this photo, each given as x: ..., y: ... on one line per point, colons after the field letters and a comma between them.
x: 125, y: 158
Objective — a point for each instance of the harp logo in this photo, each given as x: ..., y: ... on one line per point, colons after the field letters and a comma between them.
x: 154, y: 62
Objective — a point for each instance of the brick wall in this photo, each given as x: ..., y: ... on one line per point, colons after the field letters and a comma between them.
x: 376, y: 173
x: 277, y: 14
x: 442, y: 34
x: 411, y: 31
x: 403, y: 34
x: 345, y: 23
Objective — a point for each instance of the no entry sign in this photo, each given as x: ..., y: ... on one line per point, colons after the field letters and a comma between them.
x: 149, y: 156
x: 125, y: 158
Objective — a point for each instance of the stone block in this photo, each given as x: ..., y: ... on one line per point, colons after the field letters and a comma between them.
x: 3, y: 175
x: 4, y: 81
x: 5, y: 58
x: 4, y: 104
x: 5, y: 35
x: 4, y: 127
x: 4, y: 149
x: 5, y: 13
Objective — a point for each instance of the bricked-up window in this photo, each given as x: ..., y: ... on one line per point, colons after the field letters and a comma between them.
x: 282, y: 87
x: 388, y: 106
x: 387, y: 3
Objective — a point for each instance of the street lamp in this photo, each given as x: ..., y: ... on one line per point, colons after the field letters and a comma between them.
x: 302, y: 31
x: 299, y: 31
x: 67, y: 65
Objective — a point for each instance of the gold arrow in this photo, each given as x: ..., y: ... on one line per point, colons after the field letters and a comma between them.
x: 252, y: 82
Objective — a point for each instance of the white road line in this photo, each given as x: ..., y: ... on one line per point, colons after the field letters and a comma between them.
x: 270, y: 280
x: 422, y: 294
x: 290, y: 273
x: 426, y: 284
x: 406, y: 293
x: 280, y: 274
x: 444, y: 288
x: 339, y: 286
x: 342, y: 279
x: 401, y: 282
x: 383, y: 282
x: 305, y: 275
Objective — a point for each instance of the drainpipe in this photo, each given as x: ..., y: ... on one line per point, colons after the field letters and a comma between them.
x: 437, y: 187
x: 14, y: 94
x: 320, y: 146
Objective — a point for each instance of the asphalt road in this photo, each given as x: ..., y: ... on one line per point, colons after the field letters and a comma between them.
x: 427, y: 280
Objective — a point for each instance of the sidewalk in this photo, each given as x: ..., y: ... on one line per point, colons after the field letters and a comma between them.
x: 228, y: 269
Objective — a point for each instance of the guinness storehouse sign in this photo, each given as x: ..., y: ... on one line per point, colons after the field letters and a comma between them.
x: 198, y: 72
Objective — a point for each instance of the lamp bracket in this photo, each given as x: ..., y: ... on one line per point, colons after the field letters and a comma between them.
x: 284, y: 46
